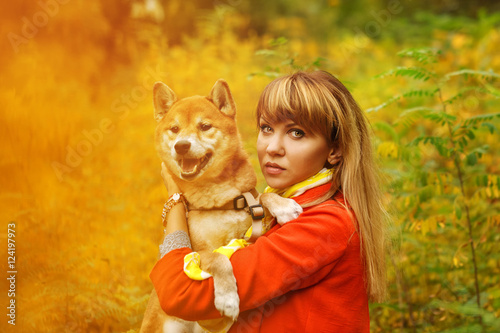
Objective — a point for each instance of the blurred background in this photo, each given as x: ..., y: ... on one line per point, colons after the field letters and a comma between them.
x: 80, y: 178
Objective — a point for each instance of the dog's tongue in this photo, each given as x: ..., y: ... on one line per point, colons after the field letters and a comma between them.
x: 189, y: 165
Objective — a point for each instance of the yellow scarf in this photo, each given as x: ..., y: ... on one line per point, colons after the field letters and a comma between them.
x: 192, y: 260
x: 322, y: 177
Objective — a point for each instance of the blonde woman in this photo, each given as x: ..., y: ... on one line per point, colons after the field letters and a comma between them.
x: 316, y: 273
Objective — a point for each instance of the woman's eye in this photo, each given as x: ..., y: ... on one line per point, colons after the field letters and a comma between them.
x: 174, y: 129
x: 296, y: 133
x: 205, y: 127
x: 265, y: 129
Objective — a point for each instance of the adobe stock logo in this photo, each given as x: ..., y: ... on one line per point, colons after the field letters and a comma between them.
x: 382, y: 19
x: 40, y: 19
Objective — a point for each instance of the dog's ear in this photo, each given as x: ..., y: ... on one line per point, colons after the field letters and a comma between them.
x: 163, y: 99
x: 222, y: 98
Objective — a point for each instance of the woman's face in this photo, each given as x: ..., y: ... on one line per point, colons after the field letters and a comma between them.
x: 289, y: 154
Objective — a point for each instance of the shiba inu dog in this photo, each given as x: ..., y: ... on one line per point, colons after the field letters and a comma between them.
x: 198, y: 141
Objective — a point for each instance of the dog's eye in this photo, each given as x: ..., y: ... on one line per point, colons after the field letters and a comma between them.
x: 205, y: 127
x: 174, y: 129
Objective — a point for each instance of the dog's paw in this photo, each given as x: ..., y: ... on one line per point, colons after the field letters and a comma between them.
x: 288, y: 210
x: 228, y: 304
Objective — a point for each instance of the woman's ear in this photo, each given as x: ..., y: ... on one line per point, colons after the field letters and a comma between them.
x: 335, y: 156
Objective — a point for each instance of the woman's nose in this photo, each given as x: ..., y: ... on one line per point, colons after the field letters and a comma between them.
x: 275, y: 146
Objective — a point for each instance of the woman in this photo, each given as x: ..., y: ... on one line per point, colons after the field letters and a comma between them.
x: 318, y: 272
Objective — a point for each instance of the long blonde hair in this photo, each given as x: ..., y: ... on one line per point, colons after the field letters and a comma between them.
x: 321, y: 103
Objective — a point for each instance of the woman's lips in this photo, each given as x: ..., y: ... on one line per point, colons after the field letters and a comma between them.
x: 273, y: 169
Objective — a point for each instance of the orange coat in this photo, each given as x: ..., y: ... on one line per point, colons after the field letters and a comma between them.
x: 304, y: 276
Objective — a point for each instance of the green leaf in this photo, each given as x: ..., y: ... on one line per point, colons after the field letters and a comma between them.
x: 426, y: 193
x: 278, y: 41
x: 383, y: 105
x: 491, y: 127
x: 422, y: 55
x: 482, y: 180
x: 409, y: 116
x: 420, y: 92
x: 471, y: 159
x: 388, y: 129
x: 408, y: 94
x: 471, y: 72
x: 438, y: 142
x: 481, y: 150
x: 472, y: 89
x: 479, y: 119
x: 416, y: 73
x: 269, y: 74
x: 266, y: 53
x: 318, y: 62
x: 421, y: 110
x: 441, y: 117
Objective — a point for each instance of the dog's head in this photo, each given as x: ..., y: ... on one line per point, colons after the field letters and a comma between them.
x: 195, y: 136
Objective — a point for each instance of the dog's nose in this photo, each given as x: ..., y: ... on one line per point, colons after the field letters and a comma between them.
x: 182, y: 147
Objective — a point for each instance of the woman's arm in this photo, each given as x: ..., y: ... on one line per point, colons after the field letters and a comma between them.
x: 294, y: 256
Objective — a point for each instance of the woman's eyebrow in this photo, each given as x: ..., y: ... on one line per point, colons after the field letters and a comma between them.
x: 292, y: 124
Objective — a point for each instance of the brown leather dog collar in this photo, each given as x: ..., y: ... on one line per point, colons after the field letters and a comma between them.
x: 247, y: 201
x: 240, y: 202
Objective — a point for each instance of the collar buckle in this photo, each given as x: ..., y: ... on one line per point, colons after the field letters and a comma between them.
x: 239, y: 202
x: 257, y: 212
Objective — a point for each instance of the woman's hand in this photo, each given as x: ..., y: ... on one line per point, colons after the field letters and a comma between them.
x: 176, y: 219
x: 169, y: 182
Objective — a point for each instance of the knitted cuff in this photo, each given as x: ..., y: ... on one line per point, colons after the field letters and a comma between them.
x: 174, y: 240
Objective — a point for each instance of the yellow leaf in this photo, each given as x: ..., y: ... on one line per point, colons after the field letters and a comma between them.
x: 425, y: 227
x: 388, y: 149
x: 433, y: 224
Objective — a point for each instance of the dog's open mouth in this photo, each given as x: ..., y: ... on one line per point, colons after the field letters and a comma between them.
x: 191, y: 167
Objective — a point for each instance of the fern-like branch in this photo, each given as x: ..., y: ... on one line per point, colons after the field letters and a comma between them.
x: 409, y: 116
x: 479, y: 119
x: 441, y: 117
x: 408, y: 94
x: 422, y: 55
x: 416, y: 73
x: 470, y: 72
